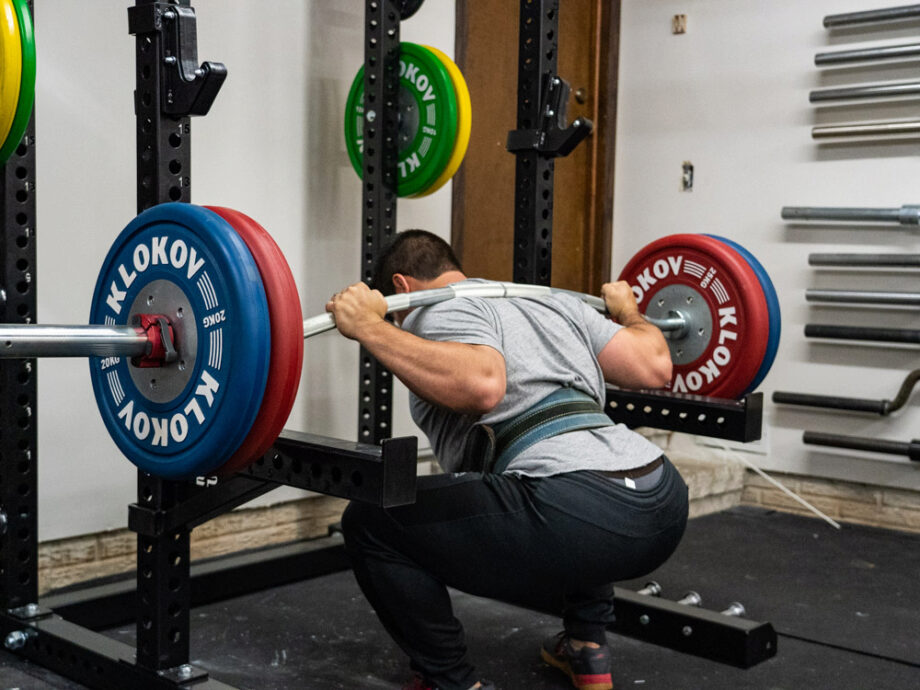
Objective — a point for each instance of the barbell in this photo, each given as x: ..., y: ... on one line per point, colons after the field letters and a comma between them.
x: 196, y: 333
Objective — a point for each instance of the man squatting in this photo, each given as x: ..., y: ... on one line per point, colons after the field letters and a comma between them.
x: 544, y: 502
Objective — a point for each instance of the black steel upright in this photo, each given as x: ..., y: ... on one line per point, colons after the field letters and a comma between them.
x: 170, y: 87
x: 18, y: 398
x: 533, y: 191
x: 378, y: 203
x: 163, y: 174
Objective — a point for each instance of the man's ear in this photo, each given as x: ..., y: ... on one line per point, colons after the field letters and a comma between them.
x: 401, y: 284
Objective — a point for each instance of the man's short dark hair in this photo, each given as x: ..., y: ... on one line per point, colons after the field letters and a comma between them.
x: 415, y: 253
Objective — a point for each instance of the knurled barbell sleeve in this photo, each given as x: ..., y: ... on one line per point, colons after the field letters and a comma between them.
x: 866, y: 260
x: 885, y: 90
x: 867, y: 129
x: 35, y: 340
x: 844, y: 57
x: 885, y: 335
x: 831, y: 402
x: 875, y: 445
x: 909, y: 214
x: 902, y: 299
x: 885, y: 14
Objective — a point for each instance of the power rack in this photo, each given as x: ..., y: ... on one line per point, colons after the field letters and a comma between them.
x: 172, y: 87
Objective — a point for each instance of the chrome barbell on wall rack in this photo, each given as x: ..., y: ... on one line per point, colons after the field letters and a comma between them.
x: 911, y: 449
x: 885, y: 14
x: 865, y: 260
x: 867, y: 129
x: 908, y: 214
x: 845, y: 57
x: 901, y: 299
x: 881, y: 335
x: 880, y: 407
x: 885, y: 90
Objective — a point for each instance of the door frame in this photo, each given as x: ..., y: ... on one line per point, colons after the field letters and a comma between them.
x: 602, y: 142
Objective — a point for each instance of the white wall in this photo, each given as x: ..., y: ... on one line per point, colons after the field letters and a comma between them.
x: 272, y: 146
x: 731, y: 95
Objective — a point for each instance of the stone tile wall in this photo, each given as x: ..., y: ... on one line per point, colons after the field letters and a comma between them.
x: 715, y: 485
x: 67, y: 561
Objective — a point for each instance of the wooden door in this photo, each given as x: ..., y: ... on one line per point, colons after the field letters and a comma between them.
x: 483, y: 196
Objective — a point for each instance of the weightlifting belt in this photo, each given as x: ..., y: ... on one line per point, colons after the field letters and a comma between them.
x: 492, y: 448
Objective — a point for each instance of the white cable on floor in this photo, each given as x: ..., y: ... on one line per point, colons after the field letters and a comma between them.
x: 788, y: 492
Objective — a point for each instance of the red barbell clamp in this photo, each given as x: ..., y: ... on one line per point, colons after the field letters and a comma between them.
x: 160, y: 336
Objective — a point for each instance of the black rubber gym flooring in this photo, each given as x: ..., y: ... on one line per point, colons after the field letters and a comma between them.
x: 846, y: 605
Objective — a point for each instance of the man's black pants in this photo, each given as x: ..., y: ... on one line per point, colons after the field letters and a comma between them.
x: 554, y: 543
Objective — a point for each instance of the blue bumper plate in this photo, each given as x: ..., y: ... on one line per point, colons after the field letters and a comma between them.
x: 187, y: 417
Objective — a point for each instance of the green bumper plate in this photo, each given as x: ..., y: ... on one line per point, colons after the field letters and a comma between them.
x: 427, y: 108
x: 27, y: 84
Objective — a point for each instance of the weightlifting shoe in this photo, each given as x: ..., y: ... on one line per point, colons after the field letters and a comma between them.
x: 588, y: 668
x: 420, y: 683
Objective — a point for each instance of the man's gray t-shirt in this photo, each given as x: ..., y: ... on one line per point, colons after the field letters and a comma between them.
x: 547, y: 342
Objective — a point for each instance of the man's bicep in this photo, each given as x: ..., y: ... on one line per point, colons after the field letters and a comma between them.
x: 625, y: 359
